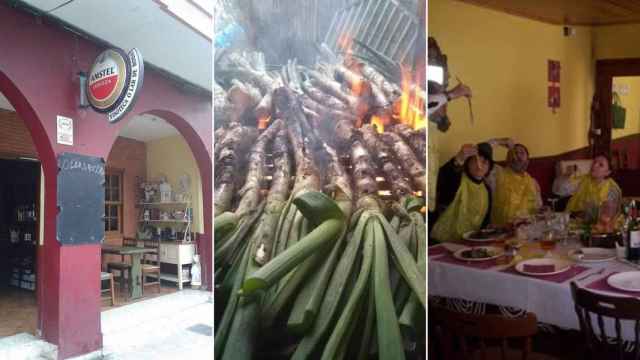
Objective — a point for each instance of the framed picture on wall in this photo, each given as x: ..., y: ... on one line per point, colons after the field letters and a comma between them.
x: 554, y: 97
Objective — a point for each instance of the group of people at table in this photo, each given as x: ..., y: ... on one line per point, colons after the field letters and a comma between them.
x: 473, y: 192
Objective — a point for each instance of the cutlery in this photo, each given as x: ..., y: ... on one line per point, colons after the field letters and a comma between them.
x: 595, y: 273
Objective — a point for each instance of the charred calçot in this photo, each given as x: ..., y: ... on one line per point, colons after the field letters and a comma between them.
x: 316, y: 255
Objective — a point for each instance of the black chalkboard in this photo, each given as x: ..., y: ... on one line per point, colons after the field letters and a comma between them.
x: 80, y: 199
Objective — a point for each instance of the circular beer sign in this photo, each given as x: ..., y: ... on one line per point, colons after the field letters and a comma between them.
x: 108, y: 79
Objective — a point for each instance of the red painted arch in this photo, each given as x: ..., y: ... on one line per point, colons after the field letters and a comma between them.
x: 203, y: 159
x: 48, y: 266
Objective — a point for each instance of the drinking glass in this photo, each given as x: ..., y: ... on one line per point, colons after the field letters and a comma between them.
x: 548, y: 243
x: 547, y: 212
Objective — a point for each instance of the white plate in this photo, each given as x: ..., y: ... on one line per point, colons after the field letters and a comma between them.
x: 467, y: 236
x: 496, y: 250
x: 594, y: 254
x: 560, y: 266
x: 627, y: 281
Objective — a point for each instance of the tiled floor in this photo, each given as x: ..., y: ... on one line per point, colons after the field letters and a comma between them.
x: 173, y: 326
x: 18, y: 311
x: 149, y: 293
x: 170, y: 325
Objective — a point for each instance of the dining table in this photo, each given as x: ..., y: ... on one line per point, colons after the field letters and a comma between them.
x: 136, y: 253
x: 548, y: 297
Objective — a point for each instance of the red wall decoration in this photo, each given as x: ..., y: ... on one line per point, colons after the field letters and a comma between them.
x: 553, y: 96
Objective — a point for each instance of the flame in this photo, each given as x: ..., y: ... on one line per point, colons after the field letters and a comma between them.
x: 263, y: 122
x: 345, y: 42
x: 410, y: 108
x: 378, y: 123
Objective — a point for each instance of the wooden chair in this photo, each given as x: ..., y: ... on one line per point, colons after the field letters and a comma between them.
x: 104, y: 276
x: 123, y: 268
x: 472, y: 331
x: 601, y: 346
x: 151, y: 264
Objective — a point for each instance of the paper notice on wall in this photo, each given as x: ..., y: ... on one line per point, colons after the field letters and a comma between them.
x: 65, y: 130
x: 621, y: 89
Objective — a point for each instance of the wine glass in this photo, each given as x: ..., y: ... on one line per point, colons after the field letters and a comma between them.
x: 547, y: 212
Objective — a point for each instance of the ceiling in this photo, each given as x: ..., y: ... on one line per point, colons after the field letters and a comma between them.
x: 164, y: 40
x: 148, y: 127
x: 569, y: 12
x: 4, y: 103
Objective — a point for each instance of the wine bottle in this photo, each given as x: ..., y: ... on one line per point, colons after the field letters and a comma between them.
x: 633, y: 247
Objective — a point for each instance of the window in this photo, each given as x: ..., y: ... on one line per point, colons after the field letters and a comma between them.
x: 113, y: 202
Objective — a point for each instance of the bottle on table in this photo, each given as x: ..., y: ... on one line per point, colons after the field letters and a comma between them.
x: 632, y: 227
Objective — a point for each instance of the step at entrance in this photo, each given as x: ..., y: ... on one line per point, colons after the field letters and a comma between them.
x: 27, y: 347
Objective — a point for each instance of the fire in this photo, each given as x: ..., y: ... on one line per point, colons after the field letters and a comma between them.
x: 410, y: 108
x: 263, y: 122
x: 378, y: 123
x: 412, y: 102
x: 345, y: 42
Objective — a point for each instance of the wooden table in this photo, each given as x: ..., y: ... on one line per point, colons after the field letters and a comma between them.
x: 135, y: 281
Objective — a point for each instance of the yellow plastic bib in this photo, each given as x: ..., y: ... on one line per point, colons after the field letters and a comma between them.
x: 514, y: 193
x: 591, y: 192
x: 465, y: 213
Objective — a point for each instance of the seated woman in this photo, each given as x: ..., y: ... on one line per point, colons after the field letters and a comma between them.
x: 463, y: 198
x: 592, y: 190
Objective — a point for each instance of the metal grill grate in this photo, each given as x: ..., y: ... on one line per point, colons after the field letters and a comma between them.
x: 384, y: 26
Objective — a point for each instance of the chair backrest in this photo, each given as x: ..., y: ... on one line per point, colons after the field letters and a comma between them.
x: 127, y: 241
x: 582, y: 166
x: 588, y: 303
x: 152, y: 258
x: 461, y: 326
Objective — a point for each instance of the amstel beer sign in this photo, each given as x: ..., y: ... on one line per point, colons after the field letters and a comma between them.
x: 115, y: 79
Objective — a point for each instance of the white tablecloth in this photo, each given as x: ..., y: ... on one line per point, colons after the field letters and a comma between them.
x: 551, y: 302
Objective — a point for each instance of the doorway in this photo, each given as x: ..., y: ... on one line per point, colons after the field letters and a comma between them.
x: 19, y: 225
x: 616, y: 86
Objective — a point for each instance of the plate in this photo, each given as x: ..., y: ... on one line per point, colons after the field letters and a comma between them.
x: 559, y: 266
x: 494, y: 252
x: 627, y: 281
x: 485, y: 235
x: 593, y: 254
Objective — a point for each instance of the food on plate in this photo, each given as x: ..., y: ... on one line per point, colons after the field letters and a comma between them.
x: 478, y: 253
x: 488, y: 233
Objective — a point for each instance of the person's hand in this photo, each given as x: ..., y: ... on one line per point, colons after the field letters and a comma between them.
x: 509, y: 143
x: 570, y: 170
x: 459, y: 91
x: 466, y: 151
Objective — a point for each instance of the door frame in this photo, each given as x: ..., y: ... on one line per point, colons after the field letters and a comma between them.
x: 606, y: 70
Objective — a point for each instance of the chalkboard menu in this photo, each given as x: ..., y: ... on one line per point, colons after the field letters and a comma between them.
x: 80, y: 217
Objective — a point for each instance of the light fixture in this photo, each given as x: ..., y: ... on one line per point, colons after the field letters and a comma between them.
x: 82, y: 79
x: 25, y: 158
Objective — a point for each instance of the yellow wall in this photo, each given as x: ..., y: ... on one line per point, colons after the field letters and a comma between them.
x: 504, y: 60
x: 631, y: 102
x: 616, y: 41
x: 172, y: 157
